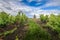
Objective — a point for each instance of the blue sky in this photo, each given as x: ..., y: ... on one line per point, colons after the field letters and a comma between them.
x: 30, y: 7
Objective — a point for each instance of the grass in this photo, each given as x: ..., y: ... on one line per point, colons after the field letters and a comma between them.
x: 16, y: 38
x: 36, y: 33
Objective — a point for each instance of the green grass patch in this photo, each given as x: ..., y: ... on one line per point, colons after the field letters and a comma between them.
x: 36, y: 33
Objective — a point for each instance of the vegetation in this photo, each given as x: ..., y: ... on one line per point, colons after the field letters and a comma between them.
x: 20, y: 27
x: 36, y: 33
x: 21, y: 18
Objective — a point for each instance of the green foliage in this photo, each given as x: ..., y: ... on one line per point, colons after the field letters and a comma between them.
x: 3, y: 18
x: 16, y: 38
x: 36, y: 33
x: 11, y: 19
x: 44, y: 19
x: 54, y: 21
x: 21, y: 18
x: 6, y: 19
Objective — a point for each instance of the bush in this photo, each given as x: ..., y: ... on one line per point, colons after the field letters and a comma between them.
x: 44, y: 19
x: 21, y: 18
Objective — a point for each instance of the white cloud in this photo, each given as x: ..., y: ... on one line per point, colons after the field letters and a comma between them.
x: 34, y: 0
x: 52, y: 3
x: 16, y: 6
x: 30, y: 0
x: 45, y: 12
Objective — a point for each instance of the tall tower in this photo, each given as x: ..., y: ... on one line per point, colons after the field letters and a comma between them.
x: 34, y: 16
